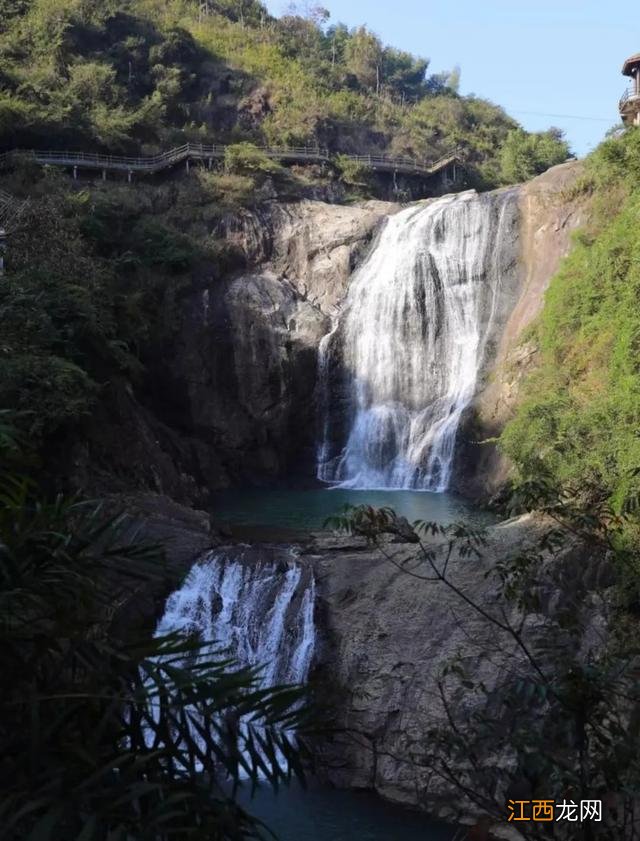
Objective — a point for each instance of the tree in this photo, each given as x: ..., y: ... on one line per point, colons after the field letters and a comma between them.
x: 453, y: 79
x: 363, y: 58
x: 301, y: 37
x: 403, y: 73
x: 312, y: 12
x: 525, y: 155
x: 338, y: 37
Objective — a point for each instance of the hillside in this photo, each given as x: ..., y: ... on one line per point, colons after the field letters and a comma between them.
x: 232, y: 350
x: 131, y: 75
x: 136, y: 76
x: 579, y: 410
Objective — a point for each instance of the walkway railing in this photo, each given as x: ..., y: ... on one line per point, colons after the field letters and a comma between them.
x: 208, y: 153
x: 630, y: 95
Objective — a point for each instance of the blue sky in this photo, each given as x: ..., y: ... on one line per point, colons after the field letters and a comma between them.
x: 536, y: 59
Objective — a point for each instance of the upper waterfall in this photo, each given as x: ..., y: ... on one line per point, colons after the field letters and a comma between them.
x: 407, y: 351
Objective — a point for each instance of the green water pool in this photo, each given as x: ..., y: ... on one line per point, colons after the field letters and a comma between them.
x: 309, y: 508
x: 321, y: 814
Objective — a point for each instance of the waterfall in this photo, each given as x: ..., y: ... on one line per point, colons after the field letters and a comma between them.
x: 261, y: 614
x: 258, y: 613
x: 411, y: 342
x: 324, y: 396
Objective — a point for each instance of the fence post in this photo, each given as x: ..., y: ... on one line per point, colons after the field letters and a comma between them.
x: 75, y: 173
x: 129, y: 175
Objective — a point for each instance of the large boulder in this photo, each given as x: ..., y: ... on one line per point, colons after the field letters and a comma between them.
x: 385, y: 637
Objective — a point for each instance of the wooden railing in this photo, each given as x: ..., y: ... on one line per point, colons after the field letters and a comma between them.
x: 208, y: 153
x: 404, y: 164
x: 630, y: 95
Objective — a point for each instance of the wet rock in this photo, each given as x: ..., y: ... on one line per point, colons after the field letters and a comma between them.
x: 549, y: 214
x: 242, y: 372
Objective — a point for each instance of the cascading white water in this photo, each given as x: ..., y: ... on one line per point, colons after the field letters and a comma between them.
x: 261, y: 614
x: 254, y: 612
x: 411, y: 342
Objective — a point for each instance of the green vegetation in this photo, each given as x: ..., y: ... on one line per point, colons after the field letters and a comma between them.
x: 579, y: 414
x: 246, y: 158
x: 525, y: 155
x: 353, y: 172
x: 127, y: 75
x: 95, y: 275
x: 98, y: 731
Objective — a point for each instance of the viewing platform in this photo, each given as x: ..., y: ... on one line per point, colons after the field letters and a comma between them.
x: 629, y: 105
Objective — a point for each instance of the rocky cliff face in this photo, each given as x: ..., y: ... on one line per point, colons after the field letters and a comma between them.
x: 312, y: 244
x: 385, y: 638
x: 245, y: 357
x: 549, y: 214
x: 231, y: 401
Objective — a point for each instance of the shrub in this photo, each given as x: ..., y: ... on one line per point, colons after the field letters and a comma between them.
x: 579, y: 412
x: 525, y: 155
x: 246, y: 158
x: 353, y: 172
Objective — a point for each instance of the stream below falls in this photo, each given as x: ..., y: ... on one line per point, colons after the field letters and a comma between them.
x: 262, y: 613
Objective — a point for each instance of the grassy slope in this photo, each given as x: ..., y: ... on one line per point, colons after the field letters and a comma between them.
x: 579, y: 415
x: 131, y: 74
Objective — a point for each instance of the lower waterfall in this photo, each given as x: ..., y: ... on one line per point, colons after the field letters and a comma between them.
x: 411, y: 342
x: 257, y: 613
x: 261, y: 614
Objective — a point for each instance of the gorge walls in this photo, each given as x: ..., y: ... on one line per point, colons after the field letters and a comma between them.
x: 419, y: 313
x: 420, y: 348
x: 419, y: 319
x: 243, y: 364
x: 428, y: 331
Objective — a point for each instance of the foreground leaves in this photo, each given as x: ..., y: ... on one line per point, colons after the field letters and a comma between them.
x: 105, y: 738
